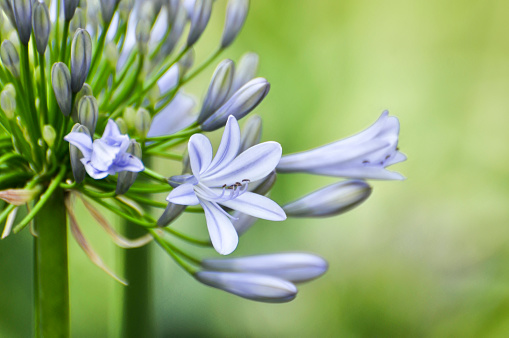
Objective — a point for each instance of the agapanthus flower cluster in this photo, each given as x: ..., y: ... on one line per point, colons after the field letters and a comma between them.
x: 92, y: 91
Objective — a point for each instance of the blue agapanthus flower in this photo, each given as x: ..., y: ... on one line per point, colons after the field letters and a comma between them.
x: 107, y: 155
x: 224, y: 179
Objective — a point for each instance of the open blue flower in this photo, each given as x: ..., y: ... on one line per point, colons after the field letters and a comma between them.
x: 362, y: 156
x: 224, y: 179
x: 107, y: 155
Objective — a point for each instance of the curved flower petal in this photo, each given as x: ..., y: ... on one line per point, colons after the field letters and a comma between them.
x: 111, y: 131
x: 177, y: 115
x: 200, y: 153
x: 128, y: 162
x: 222, y: 233
x: 229, y: 147
x: 81, y: 141
x: 257, y: 206
x: 183, y: 194
x: 103, y: 155
x: 93, y: 172
x: 253, y: 164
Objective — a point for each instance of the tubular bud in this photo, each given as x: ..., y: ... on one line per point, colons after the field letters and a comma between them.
x: 218, y: 89
x: 171, y: 213
x: 199, y: 20
x: 246, y: 70
x: 81, y: 57
x: 143, y: 35
x: 61, y: 82
x: 122, y: 126
x: 8, y: 101
x: 236, y: 13
x: 142, y: 122
x: 49, y: 135
x: 10, y: 57
x: 78, y: 169
x: 22, y: 10
x: 42, y: 25
x: 127, y: 178
x: 88, y: 113
x: 86, y: 90
x: 7, y: 7
x: 240, y: 104
x: 252, y: 133
x: 79, y: 20
x: 70, y: 8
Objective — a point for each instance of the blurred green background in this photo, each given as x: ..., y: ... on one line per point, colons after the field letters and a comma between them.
x: 424, y: 257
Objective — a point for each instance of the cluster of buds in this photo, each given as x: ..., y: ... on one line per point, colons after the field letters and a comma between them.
x: 92, y: 90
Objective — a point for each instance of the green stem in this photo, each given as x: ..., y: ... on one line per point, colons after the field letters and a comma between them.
x: 52, y: 279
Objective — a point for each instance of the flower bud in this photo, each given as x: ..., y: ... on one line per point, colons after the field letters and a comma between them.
x: 8, y: 101
x: 199, y: 20
x: 251, y: 134
x: 111, y: 54
x: 7, y: 8
x: 126, y: 178
x: 143, y: 35
x: 178, y: 24
x: 294, y: 267
x: 236, y: 12
x: 79, y: 20
x: 240, y: 104
x: 61, y: 82
x: 81, y: 56
x: 332, y: 200
x: 142, y: 122
x: 10, y: 57
x: 42, y: 25
x: 107, y: 9
x: 171, y: 213
x: 122, y: 126
x: 70, y: 8
x: 49, y: 135
x: 218, y: 89
x: 78, y: 169
x: 245, y: 71
x: 172, y: 8
x: 22, y: 10
x: 88, y: 113
x: 130, y: 117
x: 263, y: 186
x: 186, y: 62
x: 86, y: 90
x: 252, y: 286
x: 242, y: 222
x: 124, y: 9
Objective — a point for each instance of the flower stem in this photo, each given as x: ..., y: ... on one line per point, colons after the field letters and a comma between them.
x: 51, y: 280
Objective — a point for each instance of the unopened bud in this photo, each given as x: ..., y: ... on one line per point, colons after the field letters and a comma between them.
x: 245, y: 71
x: 242, y: 222
x: 142, y: 122
x: 263, y: 186
x: 88, y: 113
x: 70, y: 8
x: 78, y: 169
x: 127, y: 178
x: 122, y: 126
x: 111, y: 54
x: 10, y: 57
x: 124, y: 9
x: 61, y: 82
x: 22, y: 10
x: 7, y: 7
x: 143, y: 35
x: 171, y: 213
x: 186, y: 62
x: 251, y: 133
x: 42, y: 25
x: 178, y: 24
x: 332, y: 200
x: 107, y: 9
x: 79, y: 20
x: 130, y: 117
x: 81, y: 57
x: 240, y: 104
x: 218, y: 90
x: 86, y: 90
x: 8, y: 102
x: 199, y: 20
x: 236, y: 12
x: 49, y: 135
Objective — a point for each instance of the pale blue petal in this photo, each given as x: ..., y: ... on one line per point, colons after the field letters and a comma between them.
x: 177, y: 115
x: 253, y: 164
x: 222, y: 233
x: 169, y: 80
x: 111, y: 131
x: 257, y: 206
x: 93, y: 172
x: 184, y: 195
x: 128, y: 162
x: 103, y: 155
x: 200, y: 154
x: 229, y: 147
x: 81, y: 141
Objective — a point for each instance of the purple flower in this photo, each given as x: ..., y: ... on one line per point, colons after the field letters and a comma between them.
x: 224, y: 179
x: 362, y: 156
x: 107, y: 155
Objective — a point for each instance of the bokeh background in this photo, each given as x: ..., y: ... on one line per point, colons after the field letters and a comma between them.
x: 427, y: 257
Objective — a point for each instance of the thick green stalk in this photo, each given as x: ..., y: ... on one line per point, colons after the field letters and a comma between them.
x: 51, y: 280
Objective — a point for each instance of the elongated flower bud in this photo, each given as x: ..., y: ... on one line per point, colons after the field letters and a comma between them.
x: 177, y: 28
x: 88, y: 113
x: 49, y: 135
x: 218, y: 89
x: 245, y: 71
x: 42, y: 25
x: 122, y: 126
x: 86, y: 90
x: 127, y: 178
x: 242, y: 222
x: 143, y: 35
x: 171, y: 213
x: 142, y: 122
x: 61, y: 82
x: 186, y: 62
x: 263, y: 186
x: 70, y: 8
x: 252, y: 133
x: 240, y: 104
x: 81, y: 57
x: 10, y: 57
x: 7, y: 7
x: 332, y: 200
x: 8, y: 101
x: 236, y: 13
x: 294, y: 267
x: 107, y: 9
x: 79, y: 20
x: 111, y: 54
x: 199, y: 20
x: 78, y: 169
x: 22, y: 10
x: 261, y: 288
